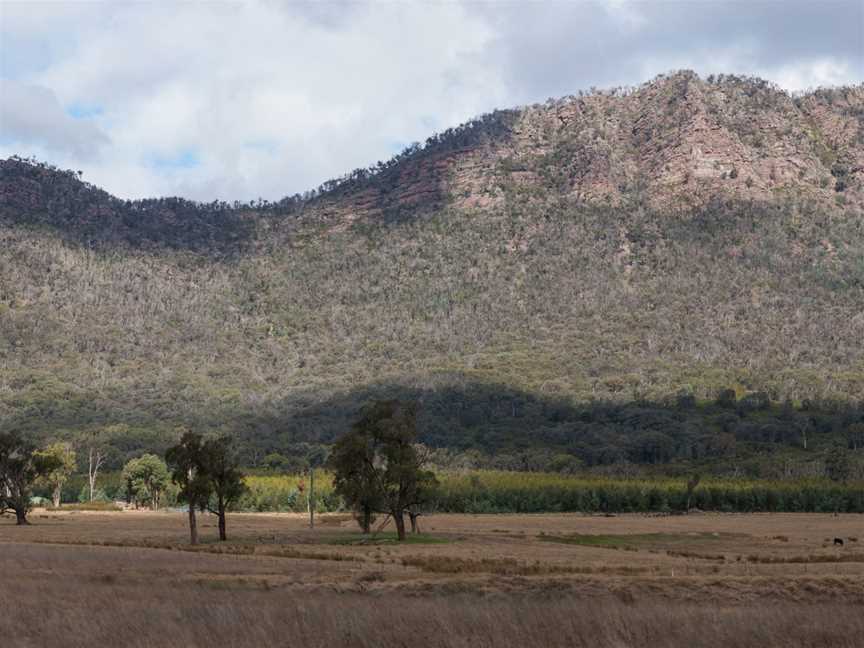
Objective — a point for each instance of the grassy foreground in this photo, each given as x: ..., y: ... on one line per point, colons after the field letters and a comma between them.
x: 86, y: 578
x: 190, y: 618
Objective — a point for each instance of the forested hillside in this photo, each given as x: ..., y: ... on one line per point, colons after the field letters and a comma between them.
x: 664, y: 276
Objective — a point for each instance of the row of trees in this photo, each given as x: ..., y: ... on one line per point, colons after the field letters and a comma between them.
x: 205, y: 471
x: 378, y: 467
x: 23, y: 466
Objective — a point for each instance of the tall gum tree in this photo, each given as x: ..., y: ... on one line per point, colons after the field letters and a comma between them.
x: 219, y: 463
x: 64, y: 456
x: 186, y: 460
x: 378, y: 464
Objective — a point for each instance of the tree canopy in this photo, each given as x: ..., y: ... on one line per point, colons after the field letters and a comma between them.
x: 146, y: 479
x: 379, y: 466
x: 21, y: 465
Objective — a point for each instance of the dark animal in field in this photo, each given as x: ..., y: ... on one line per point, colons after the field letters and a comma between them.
x: 838, y: 542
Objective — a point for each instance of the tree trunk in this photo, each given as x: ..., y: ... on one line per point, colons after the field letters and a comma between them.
x: 193, y: 526
x: 91, y: 475
x: 366, y: 520
x: 55, y: 496
x: 21, y: 517
x: 399, y: 518
x: 94, y: 464
x: 220, y: 513
x: 415, y: 522
x: 222, y: 535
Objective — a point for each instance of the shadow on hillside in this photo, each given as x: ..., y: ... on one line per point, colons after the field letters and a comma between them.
x: 519, y: 430
x: 38, y: 196
x: 497, y: 425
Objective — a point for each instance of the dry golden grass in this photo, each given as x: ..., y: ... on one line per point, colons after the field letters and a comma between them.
x: 87, y: 578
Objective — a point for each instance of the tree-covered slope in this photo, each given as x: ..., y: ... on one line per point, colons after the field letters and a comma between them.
x: 568, y: 284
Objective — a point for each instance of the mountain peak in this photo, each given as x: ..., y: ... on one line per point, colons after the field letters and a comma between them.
x: 677, y: 141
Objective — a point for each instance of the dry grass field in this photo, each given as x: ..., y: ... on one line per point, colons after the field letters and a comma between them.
x: 130, y: 579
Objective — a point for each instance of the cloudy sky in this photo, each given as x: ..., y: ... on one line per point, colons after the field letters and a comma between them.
x: 236, y: 100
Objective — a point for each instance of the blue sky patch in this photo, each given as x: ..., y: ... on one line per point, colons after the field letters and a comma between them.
x: 84, y: 111
x: 186, y: 159
x: 397, y: 146
x: 270, y: 146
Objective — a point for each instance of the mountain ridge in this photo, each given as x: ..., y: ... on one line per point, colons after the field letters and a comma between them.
x: 678, y: 139
x: 515, y: 274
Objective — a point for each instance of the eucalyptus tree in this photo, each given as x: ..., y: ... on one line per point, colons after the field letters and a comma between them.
x: 146, y: 479
x: 378, y: 466
x: 186, y: 460
x: 64, y: 457
x: 21, y: 465
x: 209, y: 477
x: 220, y: 465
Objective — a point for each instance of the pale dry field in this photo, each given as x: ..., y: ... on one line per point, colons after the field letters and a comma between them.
x: 94, y: 579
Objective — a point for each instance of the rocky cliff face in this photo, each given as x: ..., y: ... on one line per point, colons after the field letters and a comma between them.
x: 675, y: 142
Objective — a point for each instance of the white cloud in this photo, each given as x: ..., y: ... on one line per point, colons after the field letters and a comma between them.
x: 31, y: 115
x: 805, y: 75
x: 269, y: 98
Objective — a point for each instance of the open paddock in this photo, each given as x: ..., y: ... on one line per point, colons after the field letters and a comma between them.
x: 130, y: 578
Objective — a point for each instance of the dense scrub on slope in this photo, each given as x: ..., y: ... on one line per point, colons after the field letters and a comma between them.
x: 541, y: 318
x: 506, y: 348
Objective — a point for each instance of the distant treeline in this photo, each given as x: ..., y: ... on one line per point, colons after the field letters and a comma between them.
x: 495, y: 427
x: 502, y: 492
x: 511, y: 492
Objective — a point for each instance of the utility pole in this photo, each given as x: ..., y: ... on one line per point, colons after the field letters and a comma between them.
x: 310, y: 498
